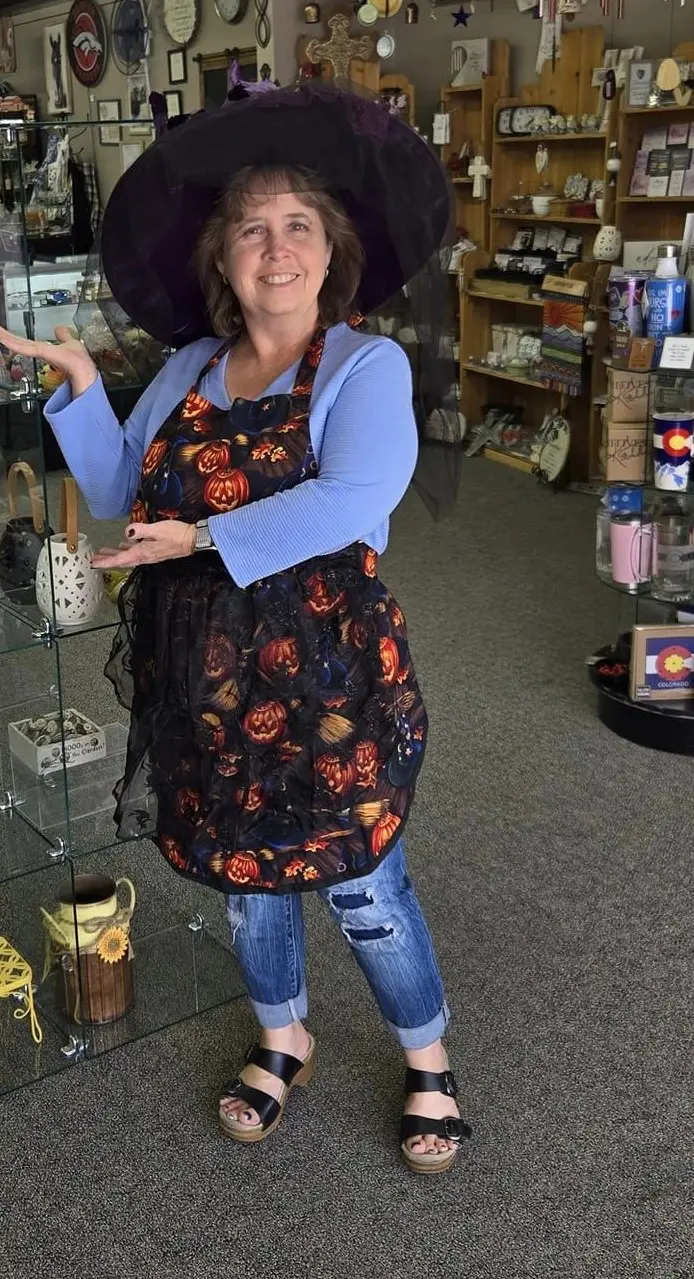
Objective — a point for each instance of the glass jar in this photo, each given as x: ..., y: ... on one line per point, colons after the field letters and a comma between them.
x: 673, y: 551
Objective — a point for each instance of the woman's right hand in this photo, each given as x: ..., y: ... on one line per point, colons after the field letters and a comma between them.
x: 69, y: 355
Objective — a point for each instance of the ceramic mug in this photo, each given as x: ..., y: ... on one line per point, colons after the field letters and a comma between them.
x: 631, y: 546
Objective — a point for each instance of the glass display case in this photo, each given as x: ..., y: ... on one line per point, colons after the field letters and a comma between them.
x: 99, y: 942
x: 645, y: 551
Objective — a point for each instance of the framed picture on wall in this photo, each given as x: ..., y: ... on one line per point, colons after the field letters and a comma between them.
x: 178, y: 67
x: 130, y: 152
x: 174, y: 103
x: 57, y: 70
x: 109, y: 110
x: 138, y: 100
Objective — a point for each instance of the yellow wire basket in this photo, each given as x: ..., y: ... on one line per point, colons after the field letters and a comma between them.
x: 16, y: 977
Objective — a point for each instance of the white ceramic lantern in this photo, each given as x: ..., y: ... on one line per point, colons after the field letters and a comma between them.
x: 68, y: 590
x: 608, y: 244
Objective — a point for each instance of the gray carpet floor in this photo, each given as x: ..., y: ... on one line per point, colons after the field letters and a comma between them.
x: 554, y: 863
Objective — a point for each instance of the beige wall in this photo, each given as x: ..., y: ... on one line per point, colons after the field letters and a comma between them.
x: 213, y: 37
x: 422, y: 51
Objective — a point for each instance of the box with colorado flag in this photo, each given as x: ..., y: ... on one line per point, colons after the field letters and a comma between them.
x: 662, y: 663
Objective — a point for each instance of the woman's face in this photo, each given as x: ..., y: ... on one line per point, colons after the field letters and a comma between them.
x: 276, y: 258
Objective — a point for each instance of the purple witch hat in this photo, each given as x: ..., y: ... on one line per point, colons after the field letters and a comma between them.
x: 386, y: 176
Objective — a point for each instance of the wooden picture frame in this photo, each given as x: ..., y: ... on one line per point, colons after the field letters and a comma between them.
x: 108, y: 110
x: 174, y: 102
x: 213, y: 71
x: 178, y: 66
x: 662, y: 663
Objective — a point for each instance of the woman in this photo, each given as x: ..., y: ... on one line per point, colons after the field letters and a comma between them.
x: 277, y: 726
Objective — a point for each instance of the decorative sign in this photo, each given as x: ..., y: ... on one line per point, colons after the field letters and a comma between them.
x: 87, y: 42
x: 641, y: 354
x: 58, y: 93
x: 678, y: 354
x: 469, y: 61
x: 181, y: 18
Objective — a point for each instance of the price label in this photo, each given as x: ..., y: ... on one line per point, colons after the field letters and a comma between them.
x: 678, y: 354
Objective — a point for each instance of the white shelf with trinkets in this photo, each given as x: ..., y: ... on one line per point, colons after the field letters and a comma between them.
x: 66, y: 994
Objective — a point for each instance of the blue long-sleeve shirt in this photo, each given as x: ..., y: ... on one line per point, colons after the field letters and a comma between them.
x: 363, y: 433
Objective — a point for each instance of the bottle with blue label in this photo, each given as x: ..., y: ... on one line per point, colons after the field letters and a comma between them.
x: 665, y: 299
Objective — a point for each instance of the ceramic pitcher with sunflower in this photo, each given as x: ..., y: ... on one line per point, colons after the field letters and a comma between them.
x: 89, y: 931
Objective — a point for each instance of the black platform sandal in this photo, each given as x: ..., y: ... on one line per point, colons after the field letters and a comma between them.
x: 293, y: 1072
x: 450, y: 1129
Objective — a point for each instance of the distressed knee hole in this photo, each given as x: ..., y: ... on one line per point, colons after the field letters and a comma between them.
x: 235, y: 919
x: 351, y: 901
x: 358, y: 935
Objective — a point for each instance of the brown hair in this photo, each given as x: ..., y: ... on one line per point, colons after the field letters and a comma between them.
x: 339, y: 290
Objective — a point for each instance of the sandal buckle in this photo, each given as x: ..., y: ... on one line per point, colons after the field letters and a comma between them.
x: 454, y: 1130
x: 450, y: 1088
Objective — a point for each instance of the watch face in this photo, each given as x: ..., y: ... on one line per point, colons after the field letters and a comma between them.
x: 231, y: 10
x: 181, y: 18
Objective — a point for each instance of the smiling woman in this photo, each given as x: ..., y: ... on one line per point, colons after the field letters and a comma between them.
x: 277, y: 726
x: 307, y: 221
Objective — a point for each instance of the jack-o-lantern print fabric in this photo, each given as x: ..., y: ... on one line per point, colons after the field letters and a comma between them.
x: 276, y: 732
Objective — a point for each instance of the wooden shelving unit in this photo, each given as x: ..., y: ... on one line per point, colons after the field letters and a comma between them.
x: 483, y: 303
x: 471, y: 110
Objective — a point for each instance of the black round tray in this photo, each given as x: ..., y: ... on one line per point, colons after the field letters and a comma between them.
x: 662, y: 726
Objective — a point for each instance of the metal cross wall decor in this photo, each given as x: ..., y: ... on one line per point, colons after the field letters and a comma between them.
x: 340, y: 49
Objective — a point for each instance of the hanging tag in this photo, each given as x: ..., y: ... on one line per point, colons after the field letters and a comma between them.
x: 442, y: 129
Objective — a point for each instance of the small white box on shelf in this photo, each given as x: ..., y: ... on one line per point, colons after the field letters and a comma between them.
x: 37, y: 741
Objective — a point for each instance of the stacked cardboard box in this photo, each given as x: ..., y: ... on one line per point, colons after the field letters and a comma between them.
x: 627, y: 452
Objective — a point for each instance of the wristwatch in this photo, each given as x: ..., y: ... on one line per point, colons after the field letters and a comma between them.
x: 203, y: 537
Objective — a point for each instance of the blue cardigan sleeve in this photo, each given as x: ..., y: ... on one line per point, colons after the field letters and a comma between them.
x: 366, y: 462
x: 104, y: 457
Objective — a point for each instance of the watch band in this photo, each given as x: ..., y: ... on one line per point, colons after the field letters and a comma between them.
x: 203, y: 537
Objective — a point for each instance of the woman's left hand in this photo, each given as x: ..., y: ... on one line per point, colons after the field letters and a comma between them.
x: 148, y: 544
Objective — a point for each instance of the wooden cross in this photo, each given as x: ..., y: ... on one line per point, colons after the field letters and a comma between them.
x: 480, y: 171
x: 340, y: 49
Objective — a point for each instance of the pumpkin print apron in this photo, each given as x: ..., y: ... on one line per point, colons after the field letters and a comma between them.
x: 276, y: 731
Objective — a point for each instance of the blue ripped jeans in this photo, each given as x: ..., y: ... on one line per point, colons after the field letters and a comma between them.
x: 383, y: 923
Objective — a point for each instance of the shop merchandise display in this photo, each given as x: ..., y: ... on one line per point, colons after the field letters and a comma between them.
x: 68, y: 589
x: 71, y: 986
x: 88, y: 935
x: 23, y: 536
x: 17, y: 983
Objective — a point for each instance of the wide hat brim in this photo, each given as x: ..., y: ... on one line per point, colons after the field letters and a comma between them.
x: 385, y: 175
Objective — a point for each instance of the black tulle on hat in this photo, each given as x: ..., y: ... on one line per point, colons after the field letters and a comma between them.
x: 385, y: 175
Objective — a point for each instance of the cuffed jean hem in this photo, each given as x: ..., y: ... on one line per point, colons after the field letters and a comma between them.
x: 422, y: 1036
x: 275, y: 1016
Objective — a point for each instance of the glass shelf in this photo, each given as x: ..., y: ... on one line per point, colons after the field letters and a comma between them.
x: 177, y: 973
x: 23, y: 625
x: 21, y: 1060
x: 17, y: 631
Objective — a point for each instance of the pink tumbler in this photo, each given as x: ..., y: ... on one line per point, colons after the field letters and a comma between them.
x: 631, y: 544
